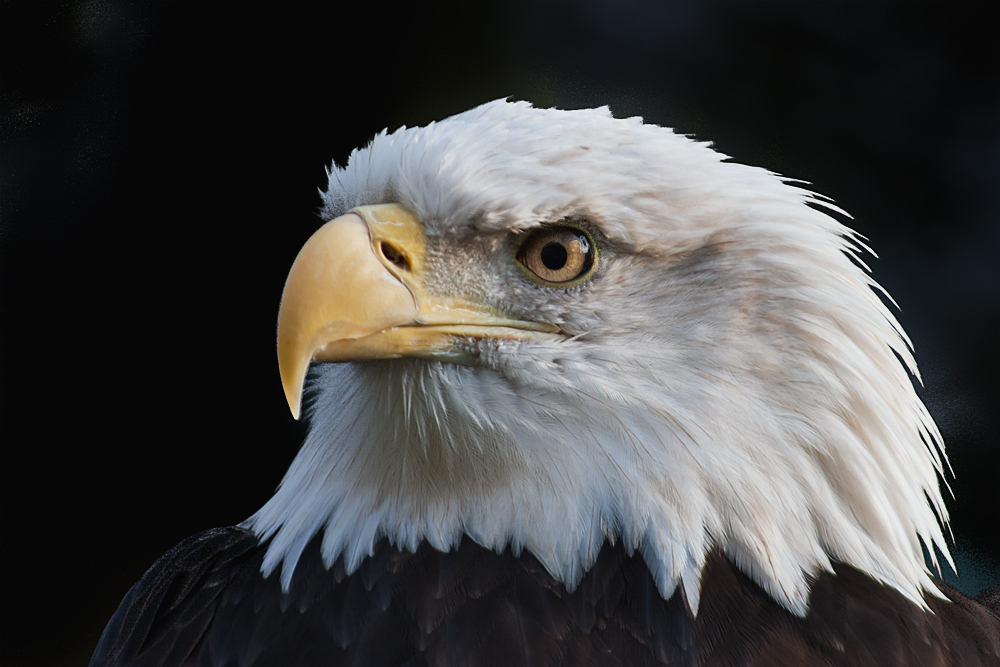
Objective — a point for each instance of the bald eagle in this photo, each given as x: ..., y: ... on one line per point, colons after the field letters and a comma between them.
x: 580, y: 391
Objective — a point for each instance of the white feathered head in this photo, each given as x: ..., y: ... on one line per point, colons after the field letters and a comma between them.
x: 708, y: 366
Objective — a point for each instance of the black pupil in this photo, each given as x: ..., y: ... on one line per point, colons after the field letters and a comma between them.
x: 554, y: 256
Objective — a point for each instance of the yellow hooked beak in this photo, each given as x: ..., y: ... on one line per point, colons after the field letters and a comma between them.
x: 355, y: 291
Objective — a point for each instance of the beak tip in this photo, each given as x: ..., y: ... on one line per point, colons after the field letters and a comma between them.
x: 293, y: 396
x: 294, y: 404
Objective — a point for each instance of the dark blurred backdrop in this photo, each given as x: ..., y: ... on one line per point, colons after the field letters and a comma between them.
x: 160, y: 166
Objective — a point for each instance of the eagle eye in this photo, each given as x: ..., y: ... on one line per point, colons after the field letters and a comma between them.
x: 558, y: 256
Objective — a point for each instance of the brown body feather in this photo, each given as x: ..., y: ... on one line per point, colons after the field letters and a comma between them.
x: 206, y: 603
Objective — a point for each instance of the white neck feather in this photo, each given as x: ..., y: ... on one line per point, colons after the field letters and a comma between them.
x: 417, y: 451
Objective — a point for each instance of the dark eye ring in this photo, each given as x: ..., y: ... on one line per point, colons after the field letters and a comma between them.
x: 558, y: 256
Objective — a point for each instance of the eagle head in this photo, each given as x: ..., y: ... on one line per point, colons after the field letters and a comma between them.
x: 553, y: 329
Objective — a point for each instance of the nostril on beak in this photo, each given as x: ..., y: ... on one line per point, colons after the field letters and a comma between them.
x: 394, y: 255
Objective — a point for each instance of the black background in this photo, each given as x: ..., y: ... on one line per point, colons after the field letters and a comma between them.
x: 160, y: 169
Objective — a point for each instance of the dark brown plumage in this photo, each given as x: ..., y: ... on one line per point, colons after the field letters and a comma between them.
x: 199, y: 602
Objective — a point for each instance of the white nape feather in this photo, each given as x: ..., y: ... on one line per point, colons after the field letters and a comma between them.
x: 732, y: 381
